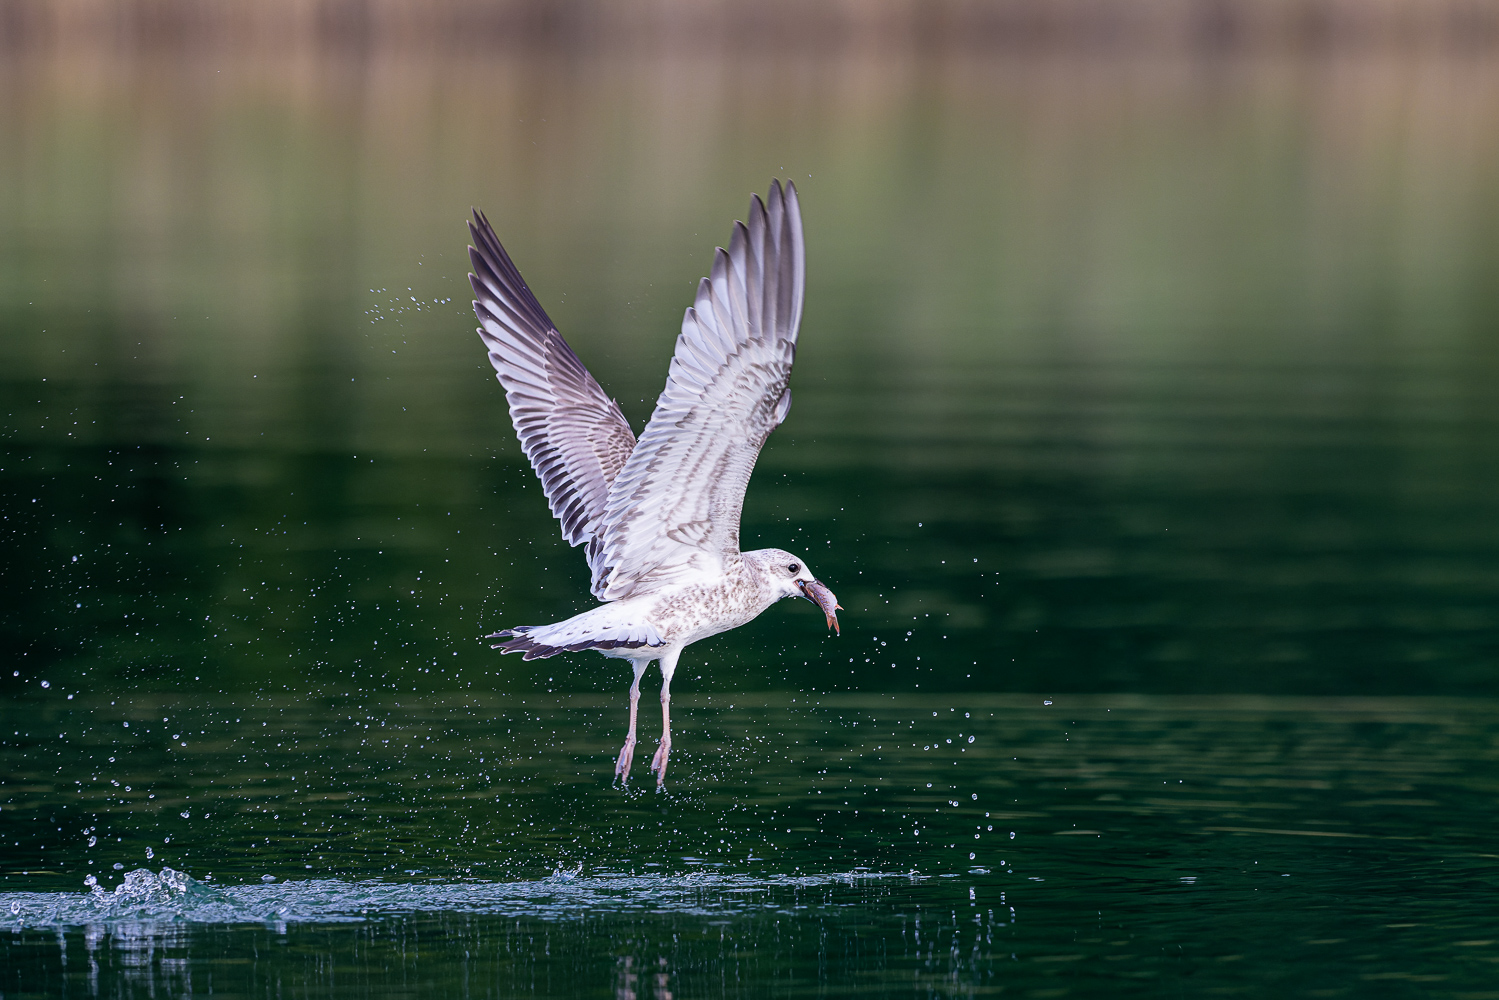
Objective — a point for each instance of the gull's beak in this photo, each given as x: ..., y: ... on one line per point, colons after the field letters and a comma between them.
x: 820, y: 595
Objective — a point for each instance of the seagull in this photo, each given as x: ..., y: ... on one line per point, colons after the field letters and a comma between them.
x: 658, y: 516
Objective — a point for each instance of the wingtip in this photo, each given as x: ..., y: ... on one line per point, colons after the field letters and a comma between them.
x: 478, y: 224
x: 757, y: 210
x: 785, y: 193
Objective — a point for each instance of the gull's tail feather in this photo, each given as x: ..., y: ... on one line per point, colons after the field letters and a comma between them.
x: 602, y: 629
x: 521, y: 641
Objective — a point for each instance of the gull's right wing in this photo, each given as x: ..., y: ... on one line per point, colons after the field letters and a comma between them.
x: 575, y: 436
x: 673, y: 510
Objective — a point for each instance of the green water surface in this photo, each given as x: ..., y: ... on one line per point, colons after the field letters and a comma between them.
x: 1144, y: 424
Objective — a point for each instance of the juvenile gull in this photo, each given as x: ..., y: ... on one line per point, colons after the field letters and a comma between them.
x: 659, y: 517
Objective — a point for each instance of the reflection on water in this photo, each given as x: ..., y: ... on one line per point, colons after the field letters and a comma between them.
x: 1122, y: 842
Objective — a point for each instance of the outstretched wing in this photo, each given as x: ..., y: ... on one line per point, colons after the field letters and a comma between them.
x: 673, y: 510
x: 575, y: 436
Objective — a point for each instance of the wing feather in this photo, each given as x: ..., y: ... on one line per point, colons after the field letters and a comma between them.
x: 673, y: 510
x: 574, y: 435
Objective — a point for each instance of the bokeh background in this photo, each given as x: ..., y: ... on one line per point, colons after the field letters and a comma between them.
x: 1148, y: 346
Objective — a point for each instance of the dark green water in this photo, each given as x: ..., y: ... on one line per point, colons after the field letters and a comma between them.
x: 1144, y: 424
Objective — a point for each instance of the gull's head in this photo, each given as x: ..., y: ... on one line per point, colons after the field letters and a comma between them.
x: 789, y: 576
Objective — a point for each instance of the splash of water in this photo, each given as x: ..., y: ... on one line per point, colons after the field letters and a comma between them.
x: 172, y: 897
x: 143, y: 896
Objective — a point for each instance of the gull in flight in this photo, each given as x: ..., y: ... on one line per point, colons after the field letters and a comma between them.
x: 658, y: 517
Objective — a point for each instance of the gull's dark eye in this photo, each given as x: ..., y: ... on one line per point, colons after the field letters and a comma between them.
x: 794, y: 568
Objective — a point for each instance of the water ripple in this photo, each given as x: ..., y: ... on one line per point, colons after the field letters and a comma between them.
x: 172, y: 897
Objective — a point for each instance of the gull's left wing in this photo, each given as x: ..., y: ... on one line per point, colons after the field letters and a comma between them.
x: 575, y: 436
x: 673, y: 511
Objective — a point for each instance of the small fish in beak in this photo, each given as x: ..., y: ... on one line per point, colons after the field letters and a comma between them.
x: 820, y: 595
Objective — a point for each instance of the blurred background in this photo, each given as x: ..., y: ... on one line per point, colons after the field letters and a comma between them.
x: 1145, y: 425
x: 1149, y: 346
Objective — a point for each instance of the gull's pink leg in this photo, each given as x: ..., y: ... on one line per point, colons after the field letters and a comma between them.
x: 627, y: 752
x: 658, y: 763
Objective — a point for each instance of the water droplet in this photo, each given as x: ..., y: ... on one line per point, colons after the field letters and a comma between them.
x: 150, y: 853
